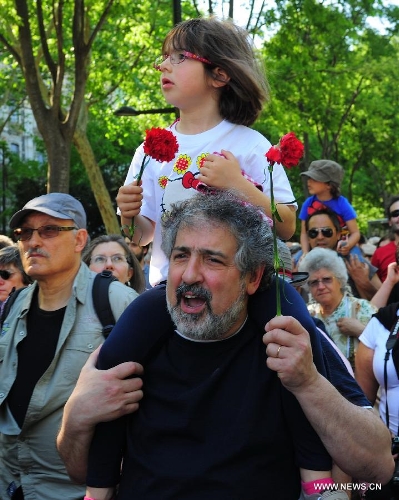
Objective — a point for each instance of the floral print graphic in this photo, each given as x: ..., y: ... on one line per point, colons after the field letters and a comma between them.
x: 200, y: 159
x: 182, y: 164
x: 162, y: 181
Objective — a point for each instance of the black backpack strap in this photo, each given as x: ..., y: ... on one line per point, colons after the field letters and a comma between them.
x: 390, y: 345
x: 8, y: 303
x: 101, y: 300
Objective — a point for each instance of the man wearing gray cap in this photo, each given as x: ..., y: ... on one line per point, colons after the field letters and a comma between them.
x: 324, y: 179
x: 51, y: 330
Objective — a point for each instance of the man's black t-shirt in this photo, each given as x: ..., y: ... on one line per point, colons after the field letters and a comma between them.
x: 35, y: 353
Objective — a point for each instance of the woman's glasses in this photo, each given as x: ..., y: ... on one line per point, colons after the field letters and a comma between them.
x: 326, y: 281
x: 394, y: 213
x: 25, y: 233
x: 178, y: 58
x: 103, y: 259
x: 5, y: 275
x: 327, y: 232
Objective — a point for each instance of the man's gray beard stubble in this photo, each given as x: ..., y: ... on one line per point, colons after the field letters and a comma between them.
x: 207, y: 325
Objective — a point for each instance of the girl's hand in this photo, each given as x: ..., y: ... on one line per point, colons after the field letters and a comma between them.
x: 221, y: 171
x: 129, y: 200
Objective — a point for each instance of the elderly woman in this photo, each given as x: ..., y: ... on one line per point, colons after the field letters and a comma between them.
x: 343, y: 315
x: 111, y: 252
x: 12, y: 274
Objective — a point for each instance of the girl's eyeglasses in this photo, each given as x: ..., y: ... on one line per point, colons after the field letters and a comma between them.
x: 178, y: 58
x: 5, y: 275
x: 327, y: 232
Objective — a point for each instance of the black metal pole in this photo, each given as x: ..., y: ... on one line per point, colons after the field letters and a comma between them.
x: 4, y: 186
x: 130, y: 111
x: 176, y: 11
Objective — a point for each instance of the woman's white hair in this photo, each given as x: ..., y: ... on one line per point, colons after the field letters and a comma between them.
x: 324, y: 258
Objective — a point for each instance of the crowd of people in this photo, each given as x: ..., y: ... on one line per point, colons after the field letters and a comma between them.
x: 201, y: 390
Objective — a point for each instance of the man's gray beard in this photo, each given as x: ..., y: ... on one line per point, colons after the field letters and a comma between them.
x: 207, y: 325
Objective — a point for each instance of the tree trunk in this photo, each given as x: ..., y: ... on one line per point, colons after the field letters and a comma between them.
x: 97, y: 183
x: 59, y: 158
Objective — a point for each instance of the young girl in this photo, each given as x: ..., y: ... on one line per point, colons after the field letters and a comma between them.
x: 208, y: 70
x: 324, y: 179
x: 210, y: 73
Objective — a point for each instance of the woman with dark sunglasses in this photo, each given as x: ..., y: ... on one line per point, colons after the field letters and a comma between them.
x: 12, y: 275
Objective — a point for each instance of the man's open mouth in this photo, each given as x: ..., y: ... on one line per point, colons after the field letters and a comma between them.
x: 193, y: 300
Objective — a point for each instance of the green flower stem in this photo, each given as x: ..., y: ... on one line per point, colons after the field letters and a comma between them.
x: 276, y: 259
x: 132, y: 227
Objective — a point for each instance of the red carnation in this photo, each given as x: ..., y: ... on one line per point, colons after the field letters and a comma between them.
x: 288, y: 151
x: 291, y: 150
x: 160, y: 144
x: 273, y: 155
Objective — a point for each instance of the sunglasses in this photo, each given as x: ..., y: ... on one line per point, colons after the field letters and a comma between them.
x: 5, y: 275
x: 45, y: 232
x: 327, y: 232
x: 394, y: 213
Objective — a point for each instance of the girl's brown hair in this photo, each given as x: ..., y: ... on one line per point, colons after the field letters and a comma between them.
x: 228, y: 47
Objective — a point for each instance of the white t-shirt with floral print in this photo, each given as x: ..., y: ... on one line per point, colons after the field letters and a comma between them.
x: 166, y: 183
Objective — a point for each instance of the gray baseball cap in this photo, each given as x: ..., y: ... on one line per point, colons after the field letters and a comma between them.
x: 59, y: 205
x: 325, y: 171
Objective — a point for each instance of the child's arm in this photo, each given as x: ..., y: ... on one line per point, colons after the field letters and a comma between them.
x: 129, y: 200
x: 314, y: 481
x: 353, y: 237
x: 99, y: 493
x: 287, y: 213
x: 304, y: 240
x: 213, y: 174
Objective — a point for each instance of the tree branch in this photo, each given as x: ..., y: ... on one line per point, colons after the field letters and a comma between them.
x: 10, y: 49
x: 100, y: 23
x: 27, y: 62
x: 43, y: 41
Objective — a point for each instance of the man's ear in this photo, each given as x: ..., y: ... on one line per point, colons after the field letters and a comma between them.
x: 254, y: 280
x: 219, y: 77
x: 81, y: 239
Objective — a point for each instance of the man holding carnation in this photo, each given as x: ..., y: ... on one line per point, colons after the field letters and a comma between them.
x: 224, y: 415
